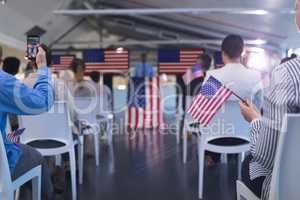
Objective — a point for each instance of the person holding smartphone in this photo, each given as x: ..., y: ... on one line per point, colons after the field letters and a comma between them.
x: 17, y: 98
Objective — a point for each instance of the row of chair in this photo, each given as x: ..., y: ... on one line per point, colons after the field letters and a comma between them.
x: 51, y: 134
x: 228, y: 133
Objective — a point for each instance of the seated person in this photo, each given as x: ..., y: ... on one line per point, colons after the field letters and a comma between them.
x: 143, y: 69
x: 80, y: 86
x: 203, y: 65
x: 282, y: 97
x: 22, y: 158
x: 11, y: 65
x: 243, y: 81
x: 103, y: 92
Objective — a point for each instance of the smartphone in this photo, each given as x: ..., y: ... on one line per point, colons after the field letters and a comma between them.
x: 33, y: 41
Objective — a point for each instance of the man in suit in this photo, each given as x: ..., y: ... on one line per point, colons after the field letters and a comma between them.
x: 282, y: 97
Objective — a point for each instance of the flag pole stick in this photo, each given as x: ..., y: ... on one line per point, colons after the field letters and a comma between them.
x: 240, y: 98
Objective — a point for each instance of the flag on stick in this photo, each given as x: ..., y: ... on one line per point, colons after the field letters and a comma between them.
x: 208, y: 102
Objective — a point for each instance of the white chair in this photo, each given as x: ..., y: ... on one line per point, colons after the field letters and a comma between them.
x: 286, y: 174
x: 8, y: 187
x: 86, y: 111
x: 104, y: 111
x: 179, y: 117
x: 50, y: 133
x: 227, y: 126
x: 187, y: 128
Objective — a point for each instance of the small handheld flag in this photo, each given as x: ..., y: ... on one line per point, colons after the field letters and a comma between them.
x: 14, y: 137
x: 208, y: 102
x: 192, y: 74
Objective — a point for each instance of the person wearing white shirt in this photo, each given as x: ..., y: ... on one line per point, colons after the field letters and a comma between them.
x: 241, y: 80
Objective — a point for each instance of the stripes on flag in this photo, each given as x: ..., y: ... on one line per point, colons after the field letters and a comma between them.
x: 144, y: 109
x: 61, y: 62
x: 208, y: 102
x: 177, y: 61
x: 14, y: 137
x: 106, y: 61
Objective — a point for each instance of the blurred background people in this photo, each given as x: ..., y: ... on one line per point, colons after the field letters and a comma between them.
x: 143, y: 69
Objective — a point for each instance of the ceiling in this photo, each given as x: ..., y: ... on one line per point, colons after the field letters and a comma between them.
x: 150, y: 31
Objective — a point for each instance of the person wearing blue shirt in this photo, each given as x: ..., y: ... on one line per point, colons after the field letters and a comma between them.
x: 18, y: 99
x: 143, y: 69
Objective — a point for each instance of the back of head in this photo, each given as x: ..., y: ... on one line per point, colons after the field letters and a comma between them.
x: 284, y: 60
x: 95, y: 76
x: 205, y: 60
x: 233, y: 46
x: 11, y: 65
x: 77, y: 65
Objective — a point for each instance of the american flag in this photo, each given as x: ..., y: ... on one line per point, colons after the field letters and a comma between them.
x: 144, y: 107
x: 106, y: 61
x: 177, y: 61
x: 14, y: 137
x: 208, y: 102
x: 191, y: 74
x: 61, y: 62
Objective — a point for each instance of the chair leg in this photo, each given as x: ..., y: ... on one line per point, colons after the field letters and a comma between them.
x: 201, y: 155
x: 238, y: 191
x: 224, y: 158
x: 80, y: 150
x: 9, y: 196
x: 97, y: 149
x: 240, y: 161
x: 36, y: 188
x: 58, y: 160
x: 184, y: 144
x: 73, y: 173
x: 178, y: 131
x: 17, y: 194
x: 110, y: 132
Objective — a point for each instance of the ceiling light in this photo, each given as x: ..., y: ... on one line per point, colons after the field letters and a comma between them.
x: 256, y: 42
x: 3, y: 2
x: 255, y: 12
x: 120, y: 50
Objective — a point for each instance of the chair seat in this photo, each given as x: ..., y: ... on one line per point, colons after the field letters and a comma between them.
x: 228, y: 141
x: 46, y: 144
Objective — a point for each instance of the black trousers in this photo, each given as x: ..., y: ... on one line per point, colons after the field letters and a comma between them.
x: 254, y: 185
x: 31, y: 158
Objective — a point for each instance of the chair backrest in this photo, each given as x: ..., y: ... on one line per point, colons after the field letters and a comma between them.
x: 86, y: 108
x: 5, y: 177
x: 228, y: 122
x: 8, y: 126
x: 52, y: 125
x: 286, y: 173
x: 105, y: 100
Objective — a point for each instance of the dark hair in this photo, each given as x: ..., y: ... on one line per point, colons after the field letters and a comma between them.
x: 284, y: 60
x: 11, y: 65
x: 48, y: 54
x: 233, y: 46
x: 95, y: 76
x: 76, y: 64
x: 205, y: 61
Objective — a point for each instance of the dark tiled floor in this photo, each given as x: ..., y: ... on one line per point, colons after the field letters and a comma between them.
x: 150, y: 167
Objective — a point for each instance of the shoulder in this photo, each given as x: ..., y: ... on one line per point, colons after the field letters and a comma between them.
x: 6, y: 78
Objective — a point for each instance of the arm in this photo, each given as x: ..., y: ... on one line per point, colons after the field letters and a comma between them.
x: 278, y: 101
x: 19, y: 99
